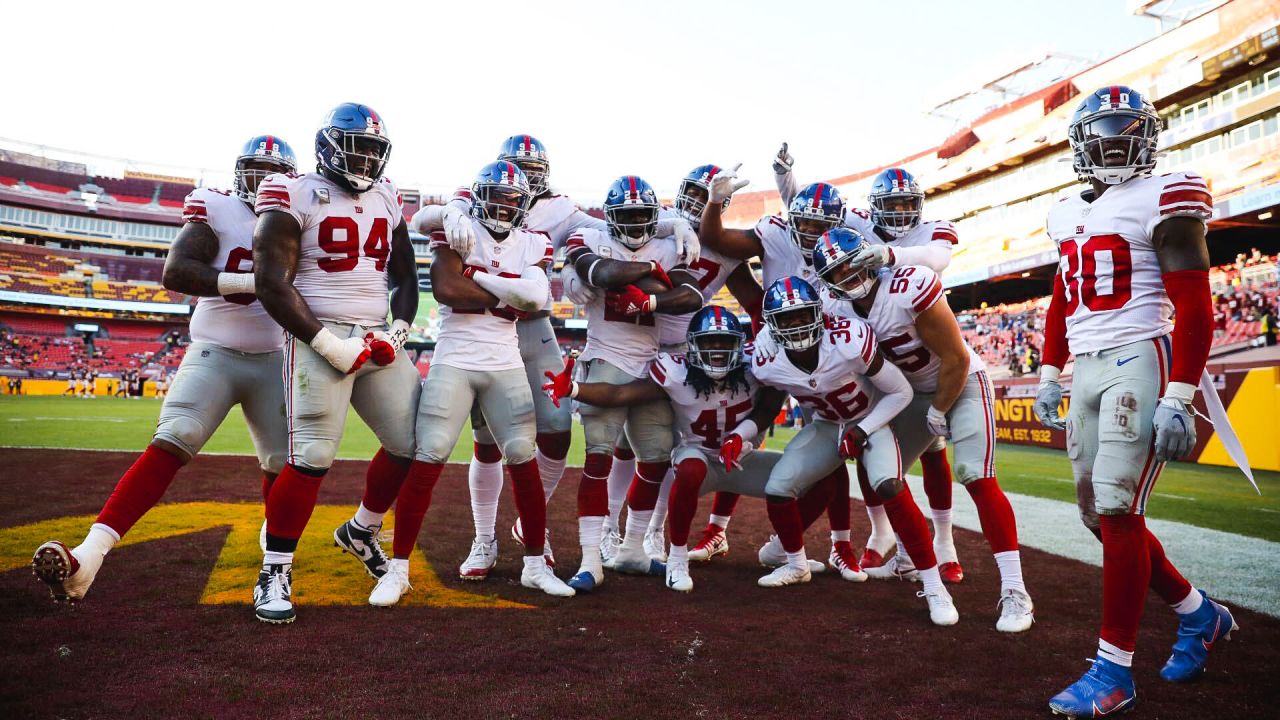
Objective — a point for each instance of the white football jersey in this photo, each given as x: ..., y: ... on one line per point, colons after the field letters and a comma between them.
x: 486, y: 339
x: 346, y: 240
x: 702, y: 420
x: 238, y: 322
x: 837, y: 390
x: 627, y: 342
x: 902, y: 295
x: 941, y: 232
x: 1107, y: 261
x: 782, y: 256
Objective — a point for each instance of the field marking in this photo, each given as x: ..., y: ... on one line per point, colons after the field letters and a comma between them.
x: 1174, y: 497
x: 1230, y: 567
x: 83, y: 418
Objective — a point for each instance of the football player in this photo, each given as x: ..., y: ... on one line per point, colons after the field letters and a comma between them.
x: 327, y: 247
x: 477, y: 362
x: 1132, y: 255
x: 630, y: 264
x: 234, y: 359
x: 720, y: 410
x: 832, y: 366
x: 952, y: 399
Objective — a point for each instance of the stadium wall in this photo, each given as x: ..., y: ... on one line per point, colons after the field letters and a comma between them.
x: 32, y: 386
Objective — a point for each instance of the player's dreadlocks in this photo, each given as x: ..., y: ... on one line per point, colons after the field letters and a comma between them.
x: 703, y: 385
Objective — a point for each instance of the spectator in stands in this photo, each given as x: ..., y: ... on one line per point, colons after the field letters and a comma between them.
x: 1267, y: 328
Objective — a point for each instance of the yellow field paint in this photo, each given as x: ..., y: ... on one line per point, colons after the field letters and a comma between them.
x: 102, y: 387
x: 1253, y: 415
x: 322, y: 574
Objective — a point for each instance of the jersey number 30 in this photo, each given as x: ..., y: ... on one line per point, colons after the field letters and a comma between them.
x: 1081, y: 275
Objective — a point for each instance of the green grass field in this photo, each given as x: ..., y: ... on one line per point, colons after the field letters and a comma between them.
x: 1202, y: 495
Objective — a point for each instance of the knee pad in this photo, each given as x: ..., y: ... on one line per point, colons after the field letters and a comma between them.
x: 316, y: 454
x: 1112, y: 497
x: 964, y: 473
x: 184, y: 431
x: 519, y: 450
x: 889, y: 488
x: 273, y: 463
x: 433, y: 447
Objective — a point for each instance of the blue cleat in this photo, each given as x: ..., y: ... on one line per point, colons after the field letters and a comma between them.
x: 1107, y: 689
x: 584, y: 582
x: 1197, y: 632
x: 645, y: 566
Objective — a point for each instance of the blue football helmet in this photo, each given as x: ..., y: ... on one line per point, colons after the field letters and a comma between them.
x: 814, y: 210
x: 352, y: 147
x: 896, y: 201
x: 500, y: 196
x: 832, y: 261
x: 529, y: 154
x: 259, y: 157
x: 1113, y: 135
x: 631, y: 209
x: 793, y: 312
x: 715, y: 342
x: 695, y: 188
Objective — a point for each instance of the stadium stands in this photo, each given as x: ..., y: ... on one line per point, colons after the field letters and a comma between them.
x: 35, y: 269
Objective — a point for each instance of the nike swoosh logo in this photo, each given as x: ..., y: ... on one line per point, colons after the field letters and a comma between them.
x: 547, y: 340
x: 1122, y: 362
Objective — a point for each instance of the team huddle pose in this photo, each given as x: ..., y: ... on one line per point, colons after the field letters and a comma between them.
x: 307, y: 287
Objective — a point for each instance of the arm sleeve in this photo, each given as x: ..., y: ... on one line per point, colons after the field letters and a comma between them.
x: 527, y: 292
x: 895, y: 395
x: 786, y: 183
x: 936, y: 255
x: 1055, y: 351
x: 1192, y: 323
x: 427, y: 219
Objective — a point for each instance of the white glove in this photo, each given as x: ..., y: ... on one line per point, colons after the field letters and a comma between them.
x: 724, y: 185
x: 765, y: 346
x: 346, y: 355
x: 783, y: 162
x: 937, y: 422
x: 1175, y: 423
x: 458, y: 230
x: 873, y: 256
x: 688, y: 245
x: 578, y: 292
x: 1049, y: 398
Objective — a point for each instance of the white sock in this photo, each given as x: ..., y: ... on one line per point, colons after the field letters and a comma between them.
x: 932, y: 581
x: 839, y: 536
x: 401, y: 564
x: 1010, y: 564
x: 277, y: 558
x: 637, y: 526
x: 943, y: 544
x: 590, y: 531
x: 1188, y: 604
x: 902, y: 552
x: 591, y: 560
x: 659, y: 517
x: 798, y: 559
x: 881, y: 531
x: 550, y: 471
x: 100, y: 540
x: 1106, y: 650
x: 367, y: 519
x: 532, y: 562
x: 485, y: 481
x: 678, y: 552
x: 721, y: 520
x: 619, y: 483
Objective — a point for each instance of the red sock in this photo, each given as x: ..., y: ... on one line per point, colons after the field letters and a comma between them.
x: 554, y: 445
x: 293, y: 498
x: 818, y: 500
x: 486, y: 453
x: 139, y: 489
x: 838, y: 505
x: 785, y: 517
x: 267, y: 479
x: 869, y: 496
x: 724, y: 503
x: 412, y: 505
x: 645, y: 485
x: 908, y: 522
x: 1165, y: 578
x: 684, y: 499
x: 1126, y: 573
x: 593, y: 489
x: 531, y: 504
x: 382, y: 480
x: 937, y: 478
x: 623, y: 454
x: 995, y: 514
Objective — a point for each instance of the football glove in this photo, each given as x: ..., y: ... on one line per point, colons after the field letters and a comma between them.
x: 385, y: 346
x: 347, y: 355
x: 937, y: 422
x: 458, y: 230
x: 783, y: 162
x: 578, y: 292
x: 724, y: 185
x: 730, y: 451
x: 688, y: 246
x: 561, y: 386
x: 1048, y: 399
x: 853, y: 443
x: 873, y: 256
x: 765, y: 346
x: 631, y: 301
x: 1175, y: 423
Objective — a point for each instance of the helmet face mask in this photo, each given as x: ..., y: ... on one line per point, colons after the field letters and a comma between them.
x: 261, y: 156
x: 796, y: 328
x: 1113, y: 136
x: 631, y: 210
x: 500, y: 197
x: 897, y: 202
x: 814, y: 210
x: 528, y: 153
x: 695, y: 191
x: 352, y: 148
x: 806, y: 231
x: 845, y: 280
x: 715, y: 352
x: 538, y: 172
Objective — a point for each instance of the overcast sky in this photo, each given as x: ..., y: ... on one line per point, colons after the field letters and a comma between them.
x: 649, y: 87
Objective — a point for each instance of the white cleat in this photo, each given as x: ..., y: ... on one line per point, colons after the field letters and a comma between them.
x: 484, y: 555
x: 634, y: 561
x: 898, y: 567
x: 1017, y: 613
x: 655, y: 544
x: 610, y: 544
x: 710, y: 545
x: 517, y: 534
x: 942, y: 609
x: 67, y: 574
x: 785, y: 575
x: 391, y: 586
x: 772, y: 555
x: 538, y: 576
x: 678, y: 578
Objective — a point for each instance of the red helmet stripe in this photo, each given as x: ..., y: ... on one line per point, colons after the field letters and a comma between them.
x: 528, y: 146
x: 1115, y: 96
x: 631, y: 179
x: 271, y: 144
x: 898, y: 173
x: 716, y: 310
x: 817, y: 196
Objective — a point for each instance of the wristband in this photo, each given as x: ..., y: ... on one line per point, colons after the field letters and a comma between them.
x: 235, y: 283
x: 747, y: 429
x: 573, y: 389
x: 325, y: 343
x: 1180, y: 391
x: 591, y: 272
x: 1049, y: 373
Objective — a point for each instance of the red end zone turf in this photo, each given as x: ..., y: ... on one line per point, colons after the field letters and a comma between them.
x: 145, y: 645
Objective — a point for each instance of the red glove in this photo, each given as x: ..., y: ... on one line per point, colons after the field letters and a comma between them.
x: 559, y: 386
x: 730, y: 451
x: 853, y: 443
x: 657, y: 273
x: 630, y: 301
x: 383, y: 349
x: 469, y: 270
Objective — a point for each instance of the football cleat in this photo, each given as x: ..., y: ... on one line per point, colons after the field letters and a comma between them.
x: 655, y: 544
x: 634, y: 561
x: 538, y: 576
x: 942, y: 609
x: 262, y: 538
x: 610, y: 544
x: 1197, y: 632
x: 364, y: 545
x: 785, y: 575
x: 391, y: 586
x: 898, y: 567
x: 712, y: 543
x: 871, y: 558
x: 67, y: 575
x: 842, y: 560
x: 273, y: 595
x: 772, y: 555
x: 951, y: 572
x: 517, y: 534
x: 1106, y: 689
x: 1016, y: 612
x: 678, y: 577
x: 484, y: 555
